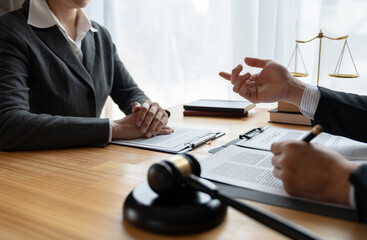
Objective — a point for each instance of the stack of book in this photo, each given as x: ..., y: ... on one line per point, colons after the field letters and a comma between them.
x: 288, y: 113
x: 218, y: 108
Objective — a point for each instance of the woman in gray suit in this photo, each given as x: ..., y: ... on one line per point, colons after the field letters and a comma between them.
x: 57, y: 69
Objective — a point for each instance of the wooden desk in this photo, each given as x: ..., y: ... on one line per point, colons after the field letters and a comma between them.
x: 78, y: 193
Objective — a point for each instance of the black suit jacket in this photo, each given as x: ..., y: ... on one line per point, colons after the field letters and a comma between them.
x: 48, y: 97
x: 345, y: 114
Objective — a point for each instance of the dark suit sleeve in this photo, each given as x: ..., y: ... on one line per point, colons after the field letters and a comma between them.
x: 342, y: 114
x: 345, y: 114
x: 22, y: 130
x: 125, y: 91
x: 359, y: 180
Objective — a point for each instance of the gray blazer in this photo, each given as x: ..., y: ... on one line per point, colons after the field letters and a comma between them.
x: 48, y: 97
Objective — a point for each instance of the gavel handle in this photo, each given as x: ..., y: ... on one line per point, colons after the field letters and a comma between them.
x: 274, y: 222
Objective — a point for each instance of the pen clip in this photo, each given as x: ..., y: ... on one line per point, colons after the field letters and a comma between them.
x: 250, y: 134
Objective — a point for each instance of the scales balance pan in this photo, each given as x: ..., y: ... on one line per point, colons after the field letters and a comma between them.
x: 298, y: 74
x: 344, y: 75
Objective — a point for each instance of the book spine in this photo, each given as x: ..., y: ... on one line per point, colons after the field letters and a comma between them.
x: 207, y: 109
x: 214, y: 114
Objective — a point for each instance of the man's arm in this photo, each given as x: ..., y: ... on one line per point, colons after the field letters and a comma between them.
x: 343, y: 114
x: 339, y: 113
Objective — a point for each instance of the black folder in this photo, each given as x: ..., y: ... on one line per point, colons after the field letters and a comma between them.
x: 212, y: 105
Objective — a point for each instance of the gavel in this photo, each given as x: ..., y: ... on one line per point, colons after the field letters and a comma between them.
x: 169, y: 177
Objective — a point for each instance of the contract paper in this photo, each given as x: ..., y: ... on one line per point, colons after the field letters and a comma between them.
x: 180, y: 141
x: 246, y: 168
x: 352, y: 150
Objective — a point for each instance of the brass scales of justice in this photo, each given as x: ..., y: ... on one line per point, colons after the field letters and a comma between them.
x: 297, y: 53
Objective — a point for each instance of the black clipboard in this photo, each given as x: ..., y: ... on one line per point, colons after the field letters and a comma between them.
x: 280, y: 201
x: 248, y: 135
x: 197, y: 137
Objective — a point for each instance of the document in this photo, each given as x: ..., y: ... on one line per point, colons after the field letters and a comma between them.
x: 180, y: 141
x: 352, y: 150
x: 246, y: 162
x: 246, y: 168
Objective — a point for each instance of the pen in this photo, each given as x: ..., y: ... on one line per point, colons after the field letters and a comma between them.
x: 316, y: 130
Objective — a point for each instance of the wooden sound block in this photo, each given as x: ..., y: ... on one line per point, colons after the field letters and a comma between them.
x: 183, y: 213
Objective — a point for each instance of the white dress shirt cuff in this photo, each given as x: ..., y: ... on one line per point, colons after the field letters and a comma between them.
x: 310, y: 100
x: 352, y: 200
x: 110, y: 135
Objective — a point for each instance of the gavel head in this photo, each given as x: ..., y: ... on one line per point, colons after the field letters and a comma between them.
x: 167, y: 177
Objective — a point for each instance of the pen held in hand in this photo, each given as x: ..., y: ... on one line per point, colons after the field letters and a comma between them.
x: 316, y: 130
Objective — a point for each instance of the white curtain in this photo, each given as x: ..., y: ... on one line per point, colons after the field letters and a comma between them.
x: 335, y: 18
x: 9, y: 5
x: 175, y: 49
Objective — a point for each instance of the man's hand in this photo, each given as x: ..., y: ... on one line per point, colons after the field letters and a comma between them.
x: 312, y: 171
x: 151, y: 119
x: 126, y: 128
x: 273, y: 83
